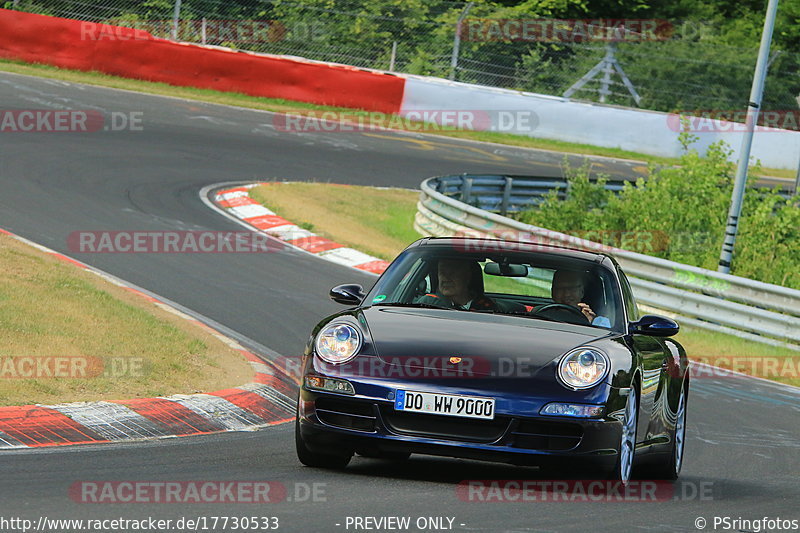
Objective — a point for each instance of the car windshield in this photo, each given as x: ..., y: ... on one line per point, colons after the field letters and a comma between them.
x: 535, y: 285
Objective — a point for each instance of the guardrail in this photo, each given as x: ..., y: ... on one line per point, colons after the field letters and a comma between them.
x: 506, y: 194
x: 698, y: 297
x: 512, y: 194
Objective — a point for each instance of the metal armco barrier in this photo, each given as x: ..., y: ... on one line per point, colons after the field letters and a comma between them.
x: 462, y: 205
x: 505, y: 194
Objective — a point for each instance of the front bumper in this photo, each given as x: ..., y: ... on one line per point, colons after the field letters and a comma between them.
x: 334, y: 422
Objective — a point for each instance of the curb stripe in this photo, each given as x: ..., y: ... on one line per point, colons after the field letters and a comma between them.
x: 230, y: 194
x: 261, y: 218
x: 264, y: 379
x: 283, y: 387
x: 250, y: 211
x: 250, y: 356
x: 314, y: 244
x: 221, y: 411
x: 254, y: 403
x: 111, y: 420
x: 175, y: 417
x: 291, y: 232
x: 287, y: 403
x: 347, y: 256
x: 261, y: 368
x: 374, y: 266
x: 267, y: 221
x: 34, y: 426
x: 7, y: 441
x: 237, y: 201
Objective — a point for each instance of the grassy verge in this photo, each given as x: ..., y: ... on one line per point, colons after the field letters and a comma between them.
x: 732, y: 353
x: 88, y: 339
x: 287, y: 106
x: 376, y: 221
x: 379, y: 221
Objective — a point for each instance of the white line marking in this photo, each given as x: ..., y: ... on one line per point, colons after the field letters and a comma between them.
x: 112, y: 421
x: 219, y: 411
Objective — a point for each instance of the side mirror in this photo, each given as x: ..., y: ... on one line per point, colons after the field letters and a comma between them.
x: 347, y: 294
x: 656, y: 326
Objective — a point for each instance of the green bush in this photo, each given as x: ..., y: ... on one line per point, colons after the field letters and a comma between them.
x: 768, y: 244
x: 679, y: 214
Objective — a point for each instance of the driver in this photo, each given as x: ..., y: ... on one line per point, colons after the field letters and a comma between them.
x: 460, y: 286
x: 568, y: 288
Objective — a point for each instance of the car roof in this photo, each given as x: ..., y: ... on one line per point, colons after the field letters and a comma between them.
x: 477, y: 245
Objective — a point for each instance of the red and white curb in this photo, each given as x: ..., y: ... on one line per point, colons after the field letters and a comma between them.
x: 266, y: 401
x: 237, y: 203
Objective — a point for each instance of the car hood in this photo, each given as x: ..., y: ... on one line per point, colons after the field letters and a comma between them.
x: 429, y: 338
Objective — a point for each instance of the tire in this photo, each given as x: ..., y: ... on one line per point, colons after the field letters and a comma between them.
x: 671, y: 469
x: 314, y: 459
x: 627, y: 449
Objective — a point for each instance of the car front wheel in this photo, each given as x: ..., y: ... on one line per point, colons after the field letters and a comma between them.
x: 627, y: 446
x: 315, y: 459
x: 671, y: 469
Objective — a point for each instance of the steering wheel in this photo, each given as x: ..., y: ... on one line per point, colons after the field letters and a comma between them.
x: 564, y: 307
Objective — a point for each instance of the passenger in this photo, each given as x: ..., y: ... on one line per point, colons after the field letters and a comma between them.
x: 460, y: 286
x: 569, y: 288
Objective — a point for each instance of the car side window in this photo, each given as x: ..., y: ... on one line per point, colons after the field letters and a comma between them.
x: 627, y: 295
x: 411, y: 284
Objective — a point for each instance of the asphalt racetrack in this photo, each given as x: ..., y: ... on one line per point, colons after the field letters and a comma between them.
x: 743, y: 450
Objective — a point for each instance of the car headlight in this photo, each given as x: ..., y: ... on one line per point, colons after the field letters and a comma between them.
x: 338, y: 343
x: 583, y: 368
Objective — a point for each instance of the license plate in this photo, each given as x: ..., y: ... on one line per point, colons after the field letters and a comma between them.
x: 444, y: 404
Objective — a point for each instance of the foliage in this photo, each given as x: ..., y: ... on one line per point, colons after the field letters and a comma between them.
x: 768, y: 245
x: 705, y: 64
x: 679, y: 213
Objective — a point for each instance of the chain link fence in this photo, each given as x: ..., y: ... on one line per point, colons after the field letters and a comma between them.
x: 660, y: 65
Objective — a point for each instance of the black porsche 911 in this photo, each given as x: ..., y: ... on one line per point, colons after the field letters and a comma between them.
x: 496, y: 350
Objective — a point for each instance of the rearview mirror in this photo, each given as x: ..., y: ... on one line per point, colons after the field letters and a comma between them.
x: 510, y: 270
x: 347, y: 294
x: 657, y: 326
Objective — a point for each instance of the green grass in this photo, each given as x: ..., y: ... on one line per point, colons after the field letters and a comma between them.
x: 50, y: 309
x: 754, y: 358
x: 288, y: 106
x: 376, y: 221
